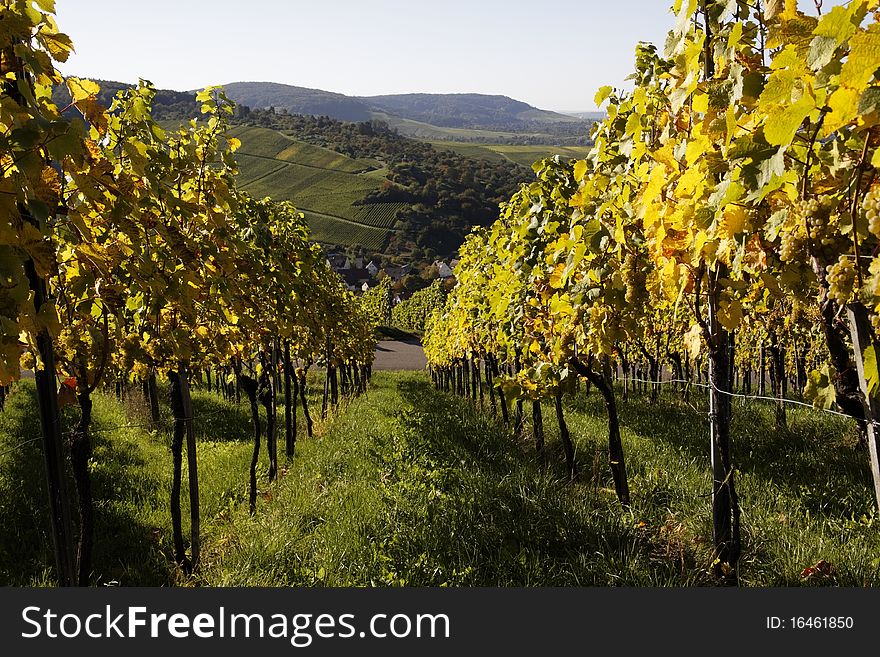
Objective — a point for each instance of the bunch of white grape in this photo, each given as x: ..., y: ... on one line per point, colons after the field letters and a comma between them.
x: 871, y: 205
x: 841, y: 277
x: 635, y: 278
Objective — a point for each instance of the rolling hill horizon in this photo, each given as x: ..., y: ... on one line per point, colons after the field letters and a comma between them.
x: 468, y: 116
x: 411, y: 105
x: 477, y: 117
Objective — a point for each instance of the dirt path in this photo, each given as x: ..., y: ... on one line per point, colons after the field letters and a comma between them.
x: 396, y: 355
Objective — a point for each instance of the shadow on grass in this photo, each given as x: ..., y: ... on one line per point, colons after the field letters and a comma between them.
x: 126, y: 482
x: 125, y: 548
x: 26, y: 553
x: 218, y: 420
x: 814, y: 459
x: 473, y: 507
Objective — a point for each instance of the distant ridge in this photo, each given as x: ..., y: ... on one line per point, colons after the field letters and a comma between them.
x: 464, y: 111
x: 469, y: 117
x: 479, y: 111
x: 595, y: 116
x: 298, y: 100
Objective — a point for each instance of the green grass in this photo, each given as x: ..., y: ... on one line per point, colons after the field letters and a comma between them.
x: 407, y: 486
x: 131, y: 479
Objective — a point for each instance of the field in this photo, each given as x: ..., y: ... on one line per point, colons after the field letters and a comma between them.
x: 426, y: 131
x: 326, y: 186
x: 524, y: 155
x: 408, y: 486
x: 278, y: 146
x: 334, y: 230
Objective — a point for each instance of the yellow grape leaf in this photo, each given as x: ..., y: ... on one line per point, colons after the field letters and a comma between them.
x: 693, y: 340
x: 665, y: 155
x: 820, y: 388
x: 59, y: 46
x: 772, y: 8
x: 654, y: 186
x: 837, y: 24
x: 844, y: 104
x: 863, y: 60
x: 733, y: 221
x: 730, y: 314
x: 735, y: 35
x: 580, y: 169
x: 556, y: 276
x: 697, y: 146
x: 779, y: 86
x: 38, y: 248
x: 81, y: 89
x: 670, y: 280
x: 47, y: 318
x: 700, y: 102
x: 602, y: 95
x: 692, y: 182
x: 783, y: 122
x: 633, y: 125
x: 872, y: 378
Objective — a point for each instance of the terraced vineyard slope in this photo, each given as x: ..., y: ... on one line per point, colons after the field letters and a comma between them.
x: 328, y: 187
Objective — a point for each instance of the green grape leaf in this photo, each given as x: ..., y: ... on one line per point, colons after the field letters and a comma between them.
x: 820, y: 388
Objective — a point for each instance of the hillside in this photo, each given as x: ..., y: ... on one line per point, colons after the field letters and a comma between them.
x: 362, y: 184
x: 326, y: 186
x: 460, y: 117
x: 298, y: 100
x: 474, y: 111
x: 478, y: 118
x: 365, y: 184
x: 524, y: 155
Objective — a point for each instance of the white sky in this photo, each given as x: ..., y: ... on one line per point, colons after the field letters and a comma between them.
x: 553, y: 55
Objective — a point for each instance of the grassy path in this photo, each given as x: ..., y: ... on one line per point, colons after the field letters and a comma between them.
x: 406, y: 486
x: 410, y: 487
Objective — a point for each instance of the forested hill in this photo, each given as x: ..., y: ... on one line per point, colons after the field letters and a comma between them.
x: 473, y: 111
x: 476, y: 117
x: 442, y: 194
x: 298, y: 100
x: 438, y: 194
x: 167, y: 104
x: 445, y: 117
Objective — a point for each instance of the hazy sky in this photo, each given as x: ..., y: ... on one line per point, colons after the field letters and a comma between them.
x: 553, y: 54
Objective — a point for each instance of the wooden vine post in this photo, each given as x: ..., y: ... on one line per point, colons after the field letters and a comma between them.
x: 863, y: 341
